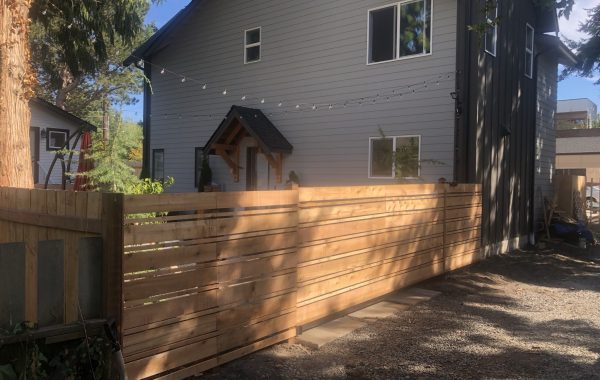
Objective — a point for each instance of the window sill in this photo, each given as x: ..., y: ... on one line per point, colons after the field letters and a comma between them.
x: 400, y: 59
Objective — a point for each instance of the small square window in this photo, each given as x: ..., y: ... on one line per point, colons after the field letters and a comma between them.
x: 56, y: 139
x: 252, y: 44
x: 394, y: 157
x: 158, y: 164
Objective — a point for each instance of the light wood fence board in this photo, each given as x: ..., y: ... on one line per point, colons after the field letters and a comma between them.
x: 277, y: 260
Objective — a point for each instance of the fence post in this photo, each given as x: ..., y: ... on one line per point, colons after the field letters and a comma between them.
x: 444, y: 216
x: 112, y: 261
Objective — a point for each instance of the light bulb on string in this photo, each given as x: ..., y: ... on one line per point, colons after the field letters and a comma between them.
x: 183, y: 80
x: 297, y: 106
x: 243, y: 97
x: 280, y: 104
x: 204, y: 86
x: 225, y: 92
x: 44, y: 12
x: 162, y: 71
x: 314, y: 107
x: 262, y: 101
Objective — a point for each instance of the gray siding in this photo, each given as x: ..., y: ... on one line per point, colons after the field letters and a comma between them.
x: 545, y: 134
x: 313, y: 51
x: 44, y: 119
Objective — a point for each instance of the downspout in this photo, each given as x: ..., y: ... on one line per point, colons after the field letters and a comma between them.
x: 147, y: 119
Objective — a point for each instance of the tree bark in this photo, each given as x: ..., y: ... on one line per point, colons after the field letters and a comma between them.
x: 16, y: 84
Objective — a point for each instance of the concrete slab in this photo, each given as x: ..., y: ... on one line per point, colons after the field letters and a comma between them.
x: 328, y: 332
x: 412, y: 296
x: 380, y: 310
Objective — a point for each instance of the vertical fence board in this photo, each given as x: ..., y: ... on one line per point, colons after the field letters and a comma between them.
x: 12, y: 284
x: 90, y: 278
x: 51, y: 296
x: 112, y: 269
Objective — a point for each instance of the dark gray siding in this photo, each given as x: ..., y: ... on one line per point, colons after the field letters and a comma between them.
x: 545, y: 134
x: 497, y: 127
x: 313, y: 51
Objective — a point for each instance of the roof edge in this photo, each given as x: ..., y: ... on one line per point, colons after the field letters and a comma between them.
x: 61, y: 112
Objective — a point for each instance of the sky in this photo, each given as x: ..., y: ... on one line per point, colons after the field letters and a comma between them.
x: 569, y: 88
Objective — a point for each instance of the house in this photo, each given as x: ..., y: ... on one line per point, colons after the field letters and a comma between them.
x: 359, y: 92
x: 52, y: 128
x: 576, y: 114
x: 578, y: 153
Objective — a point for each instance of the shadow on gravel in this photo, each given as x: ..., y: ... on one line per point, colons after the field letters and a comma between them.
x: 525, y: 315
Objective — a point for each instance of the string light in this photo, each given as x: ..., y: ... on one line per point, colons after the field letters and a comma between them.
x: 388, y: 94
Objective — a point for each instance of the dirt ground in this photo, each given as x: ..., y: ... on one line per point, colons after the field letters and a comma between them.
x: 531, y: 314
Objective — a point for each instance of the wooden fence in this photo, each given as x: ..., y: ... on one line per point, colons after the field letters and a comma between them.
x: 60, y: 256
x: 212, y: 277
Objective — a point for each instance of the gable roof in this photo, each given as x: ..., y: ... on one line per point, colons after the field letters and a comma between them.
x: 64, y: 114
x: 254, y: 121
x: 153, y: 43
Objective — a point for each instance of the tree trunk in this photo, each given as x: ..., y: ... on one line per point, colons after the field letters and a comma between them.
x: 16, y: 83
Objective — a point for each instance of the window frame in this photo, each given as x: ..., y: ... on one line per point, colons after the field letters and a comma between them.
x: 495, y: 28
x: 154, y: 152
x: 529, y: 51
x: 256, y: 44
x: 397, y: 57
x: 394, y: 148
x: 49, y: 131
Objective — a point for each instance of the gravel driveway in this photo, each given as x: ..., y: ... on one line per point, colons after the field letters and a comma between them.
x: 526, y: 315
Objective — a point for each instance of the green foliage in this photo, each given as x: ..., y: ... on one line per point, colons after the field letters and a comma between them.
x: 205, y: 175
x: 34, y: 359
x: 407, y: 159
x: 112, y: 171
x: 77, y: 68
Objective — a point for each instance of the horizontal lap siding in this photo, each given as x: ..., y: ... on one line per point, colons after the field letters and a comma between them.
x: 312, y: 52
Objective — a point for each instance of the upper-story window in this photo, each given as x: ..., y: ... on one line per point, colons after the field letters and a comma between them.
x: 252, y: 41
x: 400, y: 30
x: 529, y: 40
x: 491, y: 35
x: 56, y: 139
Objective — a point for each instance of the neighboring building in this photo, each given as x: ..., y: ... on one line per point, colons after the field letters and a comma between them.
x: 578, y: 153
x: 330, y: 89
x: 576, y: 114
x: 51, y: 129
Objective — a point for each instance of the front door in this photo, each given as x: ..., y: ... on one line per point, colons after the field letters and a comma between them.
x: 251, y: 176
x: 34, y: 146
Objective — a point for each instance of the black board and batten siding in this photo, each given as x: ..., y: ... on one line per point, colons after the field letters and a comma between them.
x: 496, y: 130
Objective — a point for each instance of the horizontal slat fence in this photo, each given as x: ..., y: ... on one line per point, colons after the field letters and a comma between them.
x: 360, y: 243
x: 55, y: 262
x: 211, y: 277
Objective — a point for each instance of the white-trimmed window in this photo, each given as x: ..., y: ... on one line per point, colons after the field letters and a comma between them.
x: 400, y: 30
x: 491, y: 35
x: 393, y: 157
x: 252, y: 41
x: 56, y: 139
x: 529, y: 41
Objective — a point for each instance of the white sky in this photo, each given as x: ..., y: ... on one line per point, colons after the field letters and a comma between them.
x: 569, y: 28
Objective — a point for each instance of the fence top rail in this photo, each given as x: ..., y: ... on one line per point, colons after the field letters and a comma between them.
x: 208, y: 201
